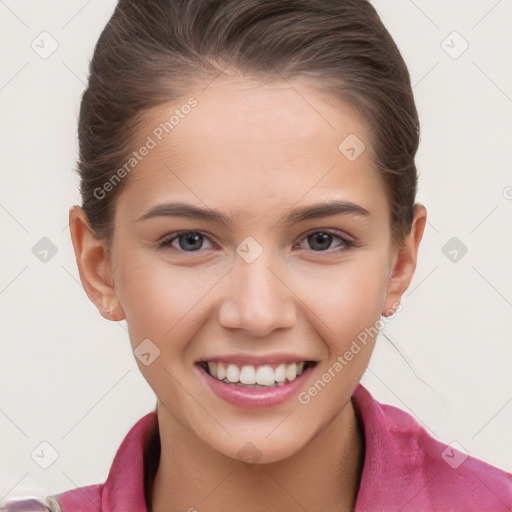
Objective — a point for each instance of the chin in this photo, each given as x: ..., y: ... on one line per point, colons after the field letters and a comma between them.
x: 261, y: 450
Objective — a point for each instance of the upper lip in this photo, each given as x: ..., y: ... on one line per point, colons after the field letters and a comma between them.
x: 248, y: 359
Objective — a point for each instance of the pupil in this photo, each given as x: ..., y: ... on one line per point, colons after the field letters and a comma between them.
x: 323, y: 238
x: 194, y: 239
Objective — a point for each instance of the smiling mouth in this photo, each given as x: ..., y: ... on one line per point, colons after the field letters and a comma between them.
x: 255, y: 376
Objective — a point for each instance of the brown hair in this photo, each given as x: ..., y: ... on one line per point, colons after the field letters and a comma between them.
x: 151, y: 52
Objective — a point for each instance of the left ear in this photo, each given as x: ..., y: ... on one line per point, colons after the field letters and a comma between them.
x: 405, y: 259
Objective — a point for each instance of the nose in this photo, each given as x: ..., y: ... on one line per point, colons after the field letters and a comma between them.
x: 258, y: 299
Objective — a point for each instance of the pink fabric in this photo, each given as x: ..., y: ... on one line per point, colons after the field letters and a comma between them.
x: 403, y: 470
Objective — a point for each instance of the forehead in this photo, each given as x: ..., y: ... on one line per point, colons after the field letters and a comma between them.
x: 245, y: 140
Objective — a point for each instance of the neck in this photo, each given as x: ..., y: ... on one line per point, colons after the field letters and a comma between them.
x: 324, y: 475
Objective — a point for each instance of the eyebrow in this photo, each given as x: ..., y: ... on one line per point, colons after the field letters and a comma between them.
x: 296, y: 215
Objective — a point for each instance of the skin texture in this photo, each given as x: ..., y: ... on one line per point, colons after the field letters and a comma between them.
x: 252, y: 152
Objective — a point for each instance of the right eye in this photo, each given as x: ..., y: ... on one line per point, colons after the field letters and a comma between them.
x: 188, y: 241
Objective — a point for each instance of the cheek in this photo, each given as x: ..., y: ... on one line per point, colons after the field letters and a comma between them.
x: 352, y: 292
x: 161, y: 304
x: 346, y: 304
x: 364, y: 290
x: 159, y: 299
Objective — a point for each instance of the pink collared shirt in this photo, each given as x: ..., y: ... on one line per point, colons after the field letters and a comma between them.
x: 405, y: 469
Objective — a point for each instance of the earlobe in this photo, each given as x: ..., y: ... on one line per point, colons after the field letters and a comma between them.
x: 405, y: 261
x: 94, y: 266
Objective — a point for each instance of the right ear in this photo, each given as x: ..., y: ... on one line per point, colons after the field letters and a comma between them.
x: 94, y: 266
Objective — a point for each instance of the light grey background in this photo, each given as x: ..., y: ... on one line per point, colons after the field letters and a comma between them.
x: 68, y: 376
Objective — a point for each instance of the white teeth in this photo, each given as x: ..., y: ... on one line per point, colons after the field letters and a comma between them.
x: 248, y: 375
x: 265, y: 376
x: 212, y: 367
x: 280, y: 373
x: 291, y: 372
x: 233, y: 373
x: 221, y: 370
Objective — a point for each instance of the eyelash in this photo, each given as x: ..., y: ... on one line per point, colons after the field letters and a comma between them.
x: 165, y: 244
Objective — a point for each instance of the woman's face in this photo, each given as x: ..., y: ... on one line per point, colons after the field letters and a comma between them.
x: 289, y: 262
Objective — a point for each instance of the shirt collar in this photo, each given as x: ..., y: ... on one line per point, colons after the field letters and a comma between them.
x: 388, y: 478
x: 392, y: 474
x: 134, y: 467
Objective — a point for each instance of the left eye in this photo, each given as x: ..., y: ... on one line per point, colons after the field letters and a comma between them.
x: 322, y: 240
x: 192, y: 241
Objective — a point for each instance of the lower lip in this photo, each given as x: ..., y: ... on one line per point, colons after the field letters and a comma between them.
x: 254, y: 398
